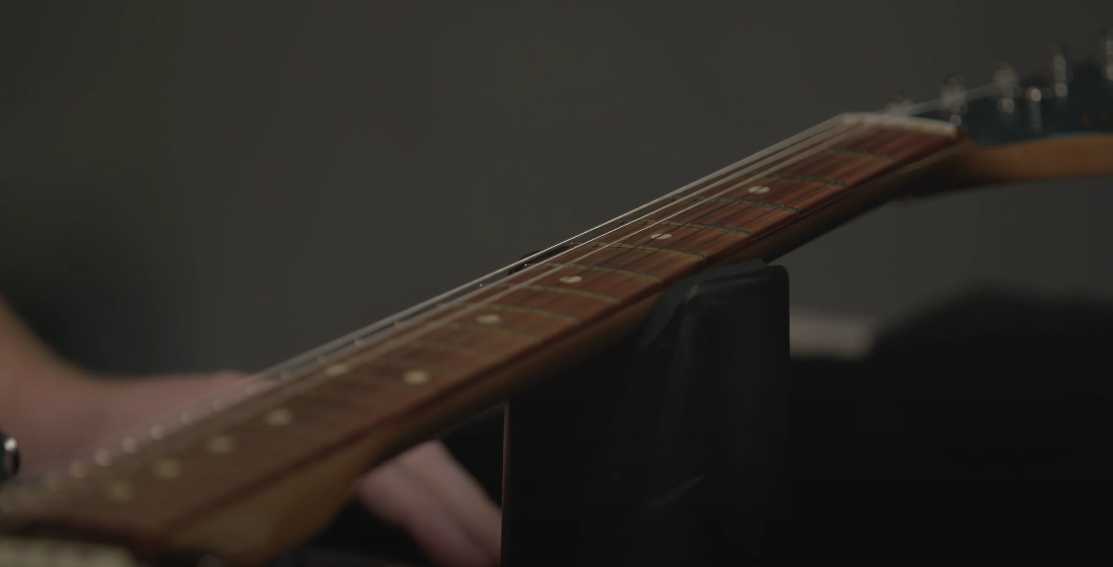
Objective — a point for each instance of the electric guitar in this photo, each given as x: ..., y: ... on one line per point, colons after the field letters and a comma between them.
x: 256, y: 471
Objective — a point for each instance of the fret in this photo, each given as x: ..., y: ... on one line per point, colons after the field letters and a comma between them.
x: 536, y: 323
x: 679, y: 238
x: 664, y: 266
x: 488, y: 329
x: 809, y: 179
x: 499, y: 309
x: 747, y: 202
x: 690, y: 225
x: 602, y: 269
x: 861, y: 153
x: 478, y: 337
x: 394, y: 365
x: 757, y: 220
x: 905, y: 145
x: 558, y: 289
x: 646, y: 248
x: 581, y: 308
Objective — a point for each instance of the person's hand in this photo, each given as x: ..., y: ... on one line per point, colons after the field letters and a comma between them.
x: 55, y: 409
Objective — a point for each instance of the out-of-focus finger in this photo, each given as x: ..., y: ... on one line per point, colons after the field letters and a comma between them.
x: 393, y: 494
x: 458, y: 490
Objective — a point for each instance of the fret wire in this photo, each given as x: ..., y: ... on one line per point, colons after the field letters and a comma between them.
x: 623, y: 245
x: 555, y: 289
x: 604, y: 269
x: 858, y: 153
x: 762, y: 204
x: 771, y: 205
x: 696, y: 225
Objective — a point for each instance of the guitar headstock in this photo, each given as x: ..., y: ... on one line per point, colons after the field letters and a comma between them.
x: 1055, y: 123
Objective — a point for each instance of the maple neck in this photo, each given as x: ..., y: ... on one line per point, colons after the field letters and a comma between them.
x: 362, y: 399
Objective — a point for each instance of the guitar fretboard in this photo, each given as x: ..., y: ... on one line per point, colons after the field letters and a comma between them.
x: 168, y: 483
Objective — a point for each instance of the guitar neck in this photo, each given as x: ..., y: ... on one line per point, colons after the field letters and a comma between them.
x: 361, y: 400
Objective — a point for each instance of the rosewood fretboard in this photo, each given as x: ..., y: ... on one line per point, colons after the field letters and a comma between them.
x: 155, y: 486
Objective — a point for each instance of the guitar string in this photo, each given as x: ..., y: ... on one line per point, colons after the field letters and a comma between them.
x: 546, y: 299
x: 841, y: 135
x: 393, y: 342
x: 168, y: 420
x: 787, y: 147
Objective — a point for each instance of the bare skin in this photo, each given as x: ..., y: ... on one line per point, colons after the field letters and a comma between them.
x: 55, y: 408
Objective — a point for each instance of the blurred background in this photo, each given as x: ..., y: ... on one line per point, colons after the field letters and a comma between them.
x: 203, y: 185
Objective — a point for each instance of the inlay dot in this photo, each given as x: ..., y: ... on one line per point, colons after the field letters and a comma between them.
x: 221, y: 445
x: 279, y: 417
x: 758, y: 189
x: 119, y: 491
x: 129, y: 444
x: 571, y: 279
x: 415, y: 377
x: 488, y: 319
x: 337, y: 369
x: 102, y: 457
x: 157, y: 432
x: 661, y: 236
x: 167, y: 469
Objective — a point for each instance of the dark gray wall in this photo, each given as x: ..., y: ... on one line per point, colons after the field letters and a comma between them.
x: 196, y: 185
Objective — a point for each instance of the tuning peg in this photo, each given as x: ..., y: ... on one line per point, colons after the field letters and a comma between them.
x: 1105, y: 53
x: 1060, y: 71
x: 952, y: 95
x: 1008, y: 84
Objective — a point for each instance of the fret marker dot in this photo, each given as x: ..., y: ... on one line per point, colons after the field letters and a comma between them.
x: 102, y: 457
x: 758, y: 189
x: 279, y: 417
x: 129, y: 445
x: 337, y: 369
x: 157, y: 432
x: 415, y: 377
x: 571, y: 279
x: 119, y: 491
x: 488, y: 319
x: 662, y: 236
x: 221, y: 445
x: 167, y: 469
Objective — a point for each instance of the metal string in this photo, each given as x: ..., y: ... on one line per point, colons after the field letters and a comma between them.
x: 787, y: 147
